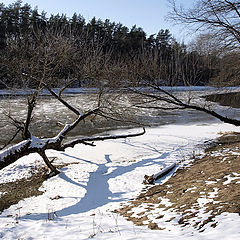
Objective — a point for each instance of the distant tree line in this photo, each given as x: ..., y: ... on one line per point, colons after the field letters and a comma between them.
x: 59, y: 49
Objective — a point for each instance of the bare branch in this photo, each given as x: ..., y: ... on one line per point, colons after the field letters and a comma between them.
x: 223, y: 16
x: 161, y: 108
x: 58, y: 97
x: 235, y: 122
x: 117, y: 118
x: 69, y: 127
x: 99, y: 138
x: 158, y: 97
x: 31, y: 105
x: 32, y: 145
x: 48, y: 163
x: 65, y: 87
x: 15, y: 122
x: 11, y: 139
x: 178, y: 104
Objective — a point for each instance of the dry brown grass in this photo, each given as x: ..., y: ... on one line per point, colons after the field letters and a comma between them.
x: 25, y: 187
x: 205, y: 176
x: 21, y: 189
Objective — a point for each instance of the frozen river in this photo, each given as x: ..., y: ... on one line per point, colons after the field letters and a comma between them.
x: 50, y: 112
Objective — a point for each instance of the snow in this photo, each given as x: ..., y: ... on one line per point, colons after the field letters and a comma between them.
x: 79, y: 202
x: 17, y: 147
x: 37, y: 142
x: 210, y: 182
x: 20, y: 169
x: 229, y: 179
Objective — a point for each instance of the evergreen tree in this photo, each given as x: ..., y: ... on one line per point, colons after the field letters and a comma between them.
x: 98, y: 48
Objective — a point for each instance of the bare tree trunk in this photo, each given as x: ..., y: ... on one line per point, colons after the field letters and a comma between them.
x: 48, y: 163
x: 36, y: 145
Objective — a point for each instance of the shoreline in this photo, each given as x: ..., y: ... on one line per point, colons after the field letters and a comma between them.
x: 207, y: 185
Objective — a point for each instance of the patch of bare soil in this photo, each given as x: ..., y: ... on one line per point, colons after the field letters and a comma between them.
x: 210, y: 185
x: 13, y: 192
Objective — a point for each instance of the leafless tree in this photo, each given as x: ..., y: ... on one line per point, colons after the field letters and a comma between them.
x: 220, y: 16
x: 32, y: 144
x: 223, y: 18
x: 43, y: 63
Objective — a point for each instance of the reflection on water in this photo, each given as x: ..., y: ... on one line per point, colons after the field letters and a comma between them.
x: 49, y: 112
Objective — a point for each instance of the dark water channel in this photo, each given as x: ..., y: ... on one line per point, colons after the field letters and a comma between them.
x: 231, y: 99
x: 50, y: 112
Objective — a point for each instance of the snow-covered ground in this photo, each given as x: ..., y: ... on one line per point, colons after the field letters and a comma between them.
x: 79, y: 202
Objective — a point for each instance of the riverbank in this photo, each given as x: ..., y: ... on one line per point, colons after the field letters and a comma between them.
x: 196, y: 196
x: 94, y: 182
x: 230, y: 99
x: 50, y: 114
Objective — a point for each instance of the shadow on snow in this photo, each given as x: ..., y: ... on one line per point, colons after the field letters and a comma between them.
x: 97, y: 189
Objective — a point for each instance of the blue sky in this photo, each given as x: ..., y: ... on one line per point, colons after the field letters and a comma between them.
x: 148, y: 14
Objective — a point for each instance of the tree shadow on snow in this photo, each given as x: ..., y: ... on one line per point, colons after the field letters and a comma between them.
x: 97, y: 189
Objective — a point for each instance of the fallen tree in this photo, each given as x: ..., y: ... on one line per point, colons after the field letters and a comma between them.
x: 33, y: 144
x: 151, y: 179
x: 48, y: 62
